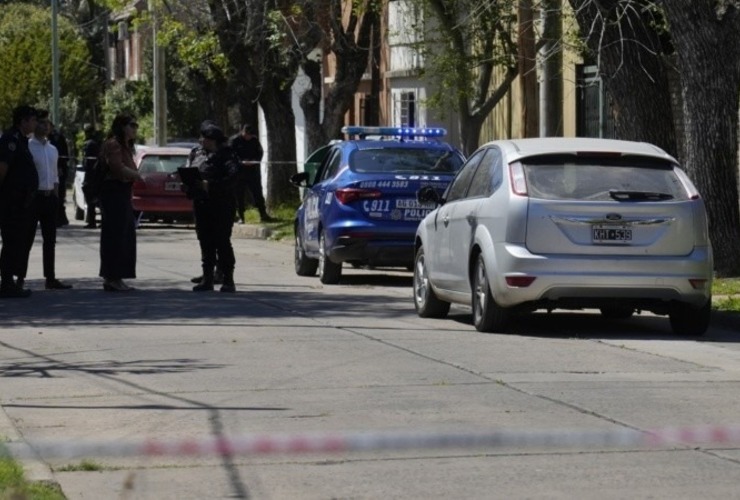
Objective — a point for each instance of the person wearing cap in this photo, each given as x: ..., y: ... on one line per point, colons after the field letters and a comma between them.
x: 249, y: 150
x: 19, y: 181
x: 90, y: 150
x: 214, y: 205
x: 118, y: 232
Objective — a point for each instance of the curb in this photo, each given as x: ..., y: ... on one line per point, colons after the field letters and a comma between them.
x: 35, y: 470
x: 251, y: 231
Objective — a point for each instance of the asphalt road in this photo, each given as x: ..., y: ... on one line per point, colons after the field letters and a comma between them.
x: 286, y: 354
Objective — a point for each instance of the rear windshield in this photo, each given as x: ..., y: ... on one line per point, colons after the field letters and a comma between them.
x: 161, y: 163
x: 405, y: 161
x: 600, y: 179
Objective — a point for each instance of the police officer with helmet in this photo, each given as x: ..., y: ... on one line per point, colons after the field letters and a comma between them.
x: 19, y: 181
x: 214, y: 205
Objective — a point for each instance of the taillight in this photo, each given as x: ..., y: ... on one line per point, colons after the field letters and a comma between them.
x: 518, y: 181
x: 139, y: 185
x: 519, y: 281
x: 348, y: 195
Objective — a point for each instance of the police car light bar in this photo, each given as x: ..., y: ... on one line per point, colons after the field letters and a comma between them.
x: 395, y: 131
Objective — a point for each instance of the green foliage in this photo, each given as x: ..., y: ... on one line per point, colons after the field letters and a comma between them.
x: 14, y: 486
x: 458, y: 39
x: 726, y: 286
x: 25, y: 59
x: 133, y: 97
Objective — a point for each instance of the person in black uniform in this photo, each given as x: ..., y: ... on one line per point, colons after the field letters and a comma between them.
x: 90, y: 150
x: 19, y: 181
x: 249, y: 150
x: 58, y: 140
x: 214, y: 205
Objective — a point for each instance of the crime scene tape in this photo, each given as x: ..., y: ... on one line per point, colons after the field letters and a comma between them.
x: 345, y: 442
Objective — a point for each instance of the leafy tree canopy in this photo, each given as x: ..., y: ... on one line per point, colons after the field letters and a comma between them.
x: 25, y: 59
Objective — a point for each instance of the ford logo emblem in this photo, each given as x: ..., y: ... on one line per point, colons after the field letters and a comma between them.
x: 613, y: 217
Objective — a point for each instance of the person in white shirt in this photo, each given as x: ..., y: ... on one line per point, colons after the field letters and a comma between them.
x: 45, y: 157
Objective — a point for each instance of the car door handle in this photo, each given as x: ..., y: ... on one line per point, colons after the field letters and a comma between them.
x: 446, y: 220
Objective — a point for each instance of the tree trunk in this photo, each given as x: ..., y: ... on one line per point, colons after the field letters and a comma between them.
x: 470, y: 127
x: 708, y: 48
x: 628, y: 51
x: 527, y: 70
x: 280, y: 121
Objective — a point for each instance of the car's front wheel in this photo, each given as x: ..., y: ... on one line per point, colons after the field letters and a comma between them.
x: 488, y: 316
x: 690, y: 320
x: 329, y: 272
x: 427, y: 304
x: 304, y: 265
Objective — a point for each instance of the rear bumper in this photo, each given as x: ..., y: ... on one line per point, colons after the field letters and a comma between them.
x: 174, y: 205
x: 374, y: 248
x: 579, y: 281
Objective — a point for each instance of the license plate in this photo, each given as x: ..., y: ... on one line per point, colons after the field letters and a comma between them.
x: 172, y: 186
x: 611, y: 234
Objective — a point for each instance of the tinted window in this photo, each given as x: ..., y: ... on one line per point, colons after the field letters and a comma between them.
x: 482, y: 183
x: 405, y: 161
x: 459, y: 185
x: 602, y: 179
x: 331, y: 166
x: 161, y: 163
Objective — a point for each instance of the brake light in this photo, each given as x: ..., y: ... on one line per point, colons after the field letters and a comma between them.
x: 348, y: 195
x: 518, y: 180
x: 520, y: 281
x: 139, y: 185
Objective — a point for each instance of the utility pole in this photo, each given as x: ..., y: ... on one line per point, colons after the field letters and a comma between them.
x: 159, y: 91
x: 54, y: 63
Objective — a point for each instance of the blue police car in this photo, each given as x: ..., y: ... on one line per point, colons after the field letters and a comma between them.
x: 360, y: 205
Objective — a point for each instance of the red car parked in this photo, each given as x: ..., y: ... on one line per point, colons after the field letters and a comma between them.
x: 158, y: 196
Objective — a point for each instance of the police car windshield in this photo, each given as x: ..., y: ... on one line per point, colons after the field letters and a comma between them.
x: 405, y: 161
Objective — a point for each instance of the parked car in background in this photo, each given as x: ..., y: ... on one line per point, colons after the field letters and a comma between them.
x: 566, y: 224
x: 360, y: 204
x: 158, y: 195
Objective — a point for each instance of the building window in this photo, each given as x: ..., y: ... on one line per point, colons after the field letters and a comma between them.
x: 404, y: 106
x: 593, y: 106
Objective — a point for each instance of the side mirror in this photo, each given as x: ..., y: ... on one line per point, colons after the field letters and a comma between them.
x: 300, y: 179
x: 428, y: 194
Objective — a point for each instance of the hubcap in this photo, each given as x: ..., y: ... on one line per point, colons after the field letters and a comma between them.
x: 421, y: 281
x: 481, y: 289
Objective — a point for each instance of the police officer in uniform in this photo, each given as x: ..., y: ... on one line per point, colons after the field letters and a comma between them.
x: 19, y: 181
x: 90, y: 150
x: 214, y: 205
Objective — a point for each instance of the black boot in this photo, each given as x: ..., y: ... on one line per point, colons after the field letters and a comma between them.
x: 206, y: 284
x: 228, y: 286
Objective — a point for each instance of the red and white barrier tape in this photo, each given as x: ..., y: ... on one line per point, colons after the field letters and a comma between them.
x: 335, y: 442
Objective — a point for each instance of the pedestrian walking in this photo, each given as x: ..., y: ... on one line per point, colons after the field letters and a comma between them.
x: 19, y: 181
x: 90, y: 151
x: 214, y: 205
x: 45, y: 203
x: 247, y: 147
x: 118, y: 232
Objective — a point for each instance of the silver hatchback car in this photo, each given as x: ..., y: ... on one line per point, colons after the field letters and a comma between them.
x: 566, y: 223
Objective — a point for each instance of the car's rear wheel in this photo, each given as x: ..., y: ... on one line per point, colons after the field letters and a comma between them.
x: 617, y: 312
x: 488, y: 316
x: 329, y: 272
x: 304, y: 265
x: 427, y: 304
x: 690, y: 320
